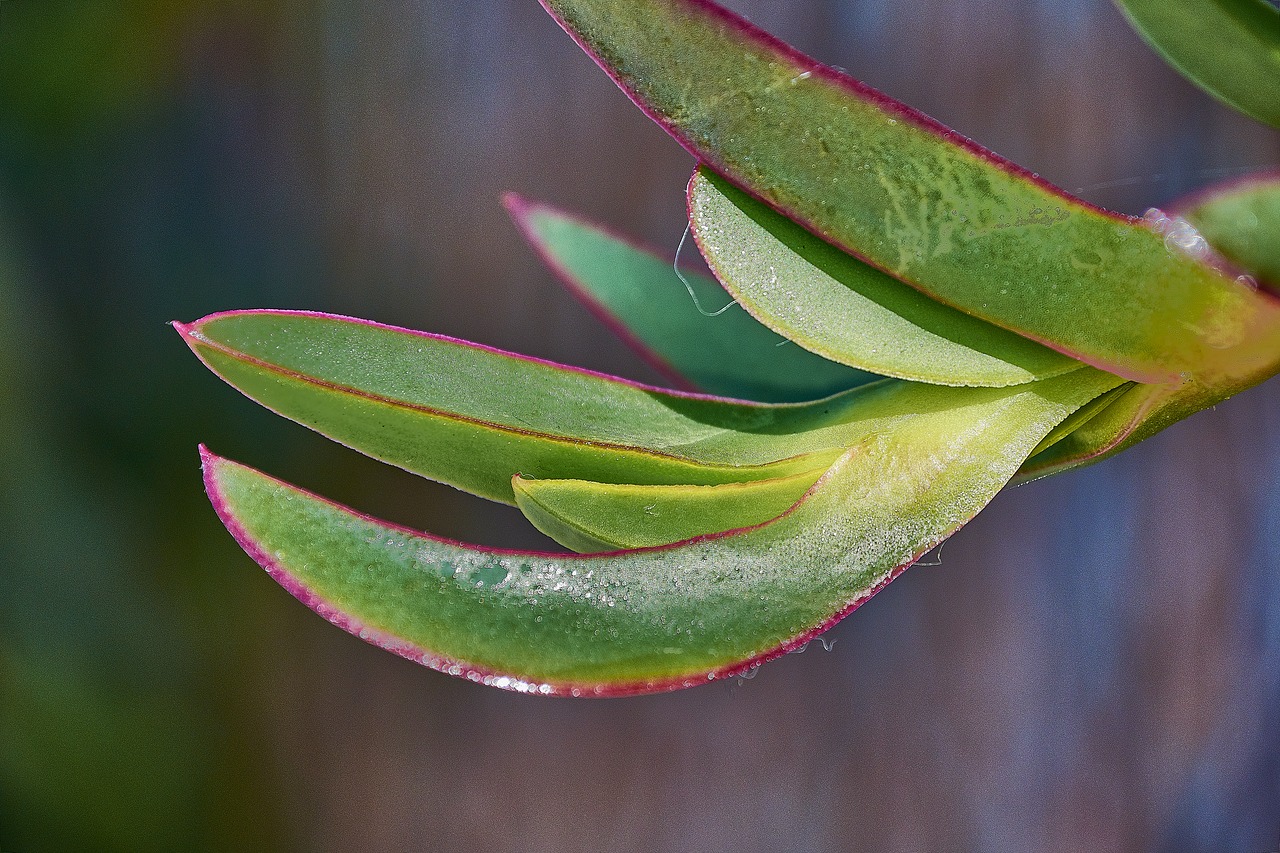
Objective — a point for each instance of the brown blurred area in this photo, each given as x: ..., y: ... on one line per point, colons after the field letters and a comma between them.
x: 1094, y: 665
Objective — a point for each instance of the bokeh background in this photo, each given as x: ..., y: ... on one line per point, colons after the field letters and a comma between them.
x: 1094, y: 665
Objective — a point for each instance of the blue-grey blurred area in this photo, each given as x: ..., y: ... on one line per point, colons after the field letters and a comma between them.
x: 1094, y: 665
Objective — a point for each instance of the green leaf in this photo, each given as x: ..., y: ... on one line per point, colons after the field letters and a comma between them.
x: 914, y: 198
x: 1229, y: 48
x: 593, y: 517
x: 1080, y: 417
x: 473, y: 417
x: 1241, y: 220
x: 1140, y: 411
x: 639, y: 295
x: 656, y: 619
x: 587, y: 516
x: 1132, y: 413
x: 837, y: 306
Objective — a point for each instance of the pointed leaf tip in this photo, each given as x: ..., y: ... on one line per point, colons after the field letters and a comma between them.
x: 663, y: 314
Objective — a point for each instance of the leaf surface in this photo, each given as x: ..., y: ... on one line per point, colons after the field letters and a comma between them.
x: 914, y: 198
x: 639, y: 295
x: 594, y: 517
x: 830, y: 302
x: 1080, y: 417
x: 655, y: 619
x: 1229, y: 48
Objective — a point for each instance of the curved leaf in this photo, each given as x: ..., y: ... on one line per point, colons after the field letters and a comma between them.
x: 1229, y: 48
x: 1241, y: 219
x: 837, y: 306
x: 914, y: 198
x: 473, y: 417
x: 655, y: 619
x: 594, y: 517
x: 639, y: 296
x: 1135, y: 412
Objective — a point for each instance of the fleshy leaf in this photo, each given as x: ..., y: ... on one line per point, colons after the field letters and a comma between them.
x: 1125, y: 419
x: 837, y: 306
x: 640, y: 297
x: 473, y: 417
x: 914, y: 198
x: 593, y: 517
x: 1229, y: 48
x: 1241, y: 220
x: 653, y: 619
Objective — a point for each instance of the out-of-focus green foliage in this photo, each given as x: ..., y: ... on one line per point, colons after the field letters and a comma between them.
x: 119, y: 716
x: 1242, y: 221
x: 1229, y: 48
x: 104, y: 739
x: 70, y: 65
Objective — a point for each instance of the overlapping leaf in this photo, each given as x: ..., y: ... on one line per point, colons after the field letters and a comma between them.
x: 834, y: 304
x: 650, y: 619
x: 1230, y: 48
x: 694, y: 337
x: 473, y: 417
x: 1241, y: 219
x: 914, y: 198
x: 595, y: 517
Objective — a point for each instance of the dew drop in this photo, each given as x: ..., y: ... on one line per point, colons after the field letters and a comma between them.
x: 1179, y: 234
x: 490, y: 575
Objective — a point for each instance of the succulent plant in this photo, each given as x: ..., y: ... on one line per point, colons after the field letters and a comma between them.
x: 956, y: 322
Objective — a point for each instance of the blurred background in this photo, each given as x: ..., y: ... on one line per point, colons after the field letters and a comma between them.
x: 1094, y: 665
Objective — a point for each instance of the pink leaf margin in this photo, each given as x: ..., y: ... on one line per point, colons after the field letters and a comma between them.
x: 191, y: 332
x: 470, y: 671
x: 194, y: 338
x: 750, y: 33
